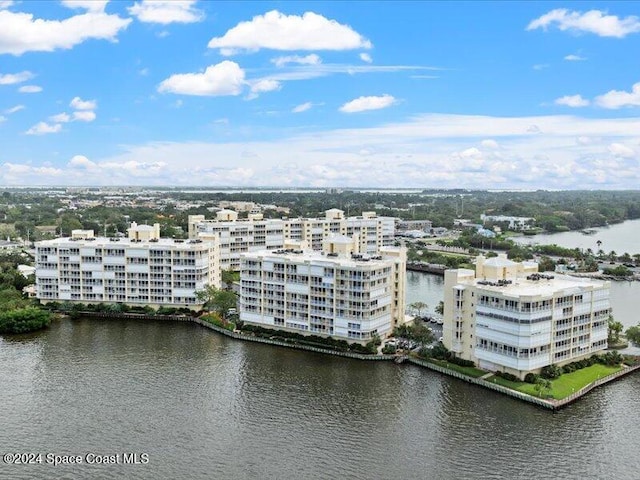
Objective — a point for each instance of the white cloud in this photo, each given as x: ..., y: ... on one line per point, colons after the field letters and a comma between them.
x: 593, y: 21
x: 225, y: 78
x: 303, y: 107
x: 572, y: 101
x: 5, y: 4
x: 541, y: 66
x: 362, y: 104
x: 620, y: 150
x: 365, y: 57
x: 311, y: 59
x: 30, y: 89
x: 84, y: 116
x: 60, y: 118
x: 618, y: 98
x: 3, y: 118
x: 78, y: 104
x: 42, y: 128
x: 166, y: 11
x: 419, y: 152
x: 277, y: 31
x: 13, y: 78
x: 90, y: 5
x: 263, y: 85
x: 81, y: 162
x: 574, y: 58
x: 20, y: 32
x: 489, y: 143
x: 15, y: 109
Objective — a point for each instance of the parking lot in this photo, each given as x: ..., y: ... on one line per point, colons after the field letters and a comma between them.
x: 404, y: 344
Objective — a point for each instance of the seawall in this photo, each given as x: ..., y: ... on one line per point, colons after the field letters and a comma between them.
x: 550, y: 404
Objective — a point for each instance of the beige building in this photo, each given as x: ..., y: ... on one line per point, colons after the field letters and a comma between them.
x: 256, y: 233
x: 337, y: 292
x: 142, y: 269
x: 505, y: 316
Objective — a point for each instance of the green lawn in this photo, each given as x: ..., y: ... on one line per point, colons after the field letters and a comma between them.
x: 470, y: 371
x: 565, y: 385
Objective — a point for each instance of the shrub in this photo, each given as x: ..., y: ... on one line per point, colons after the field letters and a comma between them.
x: 24, y: 320
x: 215, y: 320
x: 551, y: 371
x: 531, y: 378
x: 509, y: 376
x: 389, y: 349
x: 460, y: 361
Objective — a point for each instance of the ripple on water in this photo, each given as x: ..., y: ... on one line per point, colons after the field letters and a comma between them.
x: 203, y: 405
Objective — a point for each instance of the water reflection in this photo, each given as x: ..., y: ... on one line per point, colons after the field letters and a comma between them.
x: 203, y: 405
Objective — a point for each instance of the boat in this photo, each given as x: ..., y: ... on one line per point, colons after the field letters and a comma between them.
x: 588, y: 231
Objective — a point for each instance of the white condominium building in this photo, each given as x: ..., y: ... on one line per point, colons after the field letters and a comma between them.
x: 143, y: 269
x: 256, y: 233
x: 337, y: 292
x: 505, y: 316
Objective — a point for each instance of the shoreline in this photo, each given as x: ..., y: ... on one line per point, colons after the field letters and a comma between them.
x: 549, y: 404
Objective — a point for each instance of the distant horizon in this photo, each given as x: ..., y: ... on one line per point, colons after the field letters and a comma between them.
x: 240, y: 189
x: 475, y: 95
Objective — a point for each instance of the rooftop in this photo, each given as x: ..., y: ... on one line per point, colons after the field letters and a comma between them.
x: 540, y: 285
x: 110, y: 242
x: 312, y: 256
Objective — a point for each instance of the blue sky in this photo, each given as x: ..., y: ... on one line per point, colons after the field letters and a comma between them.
x: 353, y: 94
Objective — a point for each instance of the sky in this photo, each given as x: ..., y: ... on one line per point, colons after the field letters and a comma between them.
x: 498, y: 95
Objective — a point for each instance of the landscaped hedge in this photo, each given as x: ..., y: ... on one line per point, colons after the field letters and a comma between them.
x: 312, y: 340
x: 220, y: 322
x: 508, y: 376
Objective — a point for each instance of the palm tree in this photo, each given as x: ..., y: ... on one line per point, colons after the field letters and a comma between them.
x: 418, y: 306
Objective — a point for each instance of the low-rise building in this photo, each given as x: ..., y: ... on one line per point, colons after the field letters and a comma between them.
x: 257, y: 233
x: 338, y: 292
x: 505, y: 316
x: 142, y: 269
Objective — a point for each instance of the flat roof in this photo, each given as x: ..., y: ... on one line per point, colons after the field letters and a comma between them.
x: 312, y: 256
x: 543, y: 287
x: 105, y: 242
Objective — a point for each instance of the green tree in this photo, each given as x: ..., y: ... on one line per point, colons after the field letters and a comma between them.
x: 418, y: 307
x: 228, y: 277
x: 220, y: 301
x: 633, y: 334
x: 546, y: 264
x: 440, y: 308
x: 542, y: 387
x: 615, y: 328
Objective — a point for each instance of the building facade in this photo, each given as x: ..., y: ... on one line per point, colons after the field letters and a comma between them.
x: 256, y: 233
x: 505, y: 316
x: 142, y: 269
x: 338, y: 292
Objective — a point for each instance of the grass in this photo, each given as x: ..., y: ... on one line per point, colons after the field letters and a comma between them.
x: 563, y: 386
x: 470, y: 371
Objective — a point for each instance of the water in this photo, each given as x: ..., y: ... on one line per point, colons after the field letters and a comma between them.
x: 426, y: 288
x: 621, y: 238
x: 205, y: 406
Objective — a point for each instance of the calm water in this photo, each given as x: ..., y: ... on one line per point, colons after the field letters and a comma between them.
x: 204, y: 406
x: 621, y: 238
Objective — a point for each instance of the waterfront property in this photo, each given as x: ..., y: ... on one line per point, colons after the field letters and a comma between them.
x: 142, y: 269
x: 507, y: 317
x: 338, y: 292
x: 257, y: 233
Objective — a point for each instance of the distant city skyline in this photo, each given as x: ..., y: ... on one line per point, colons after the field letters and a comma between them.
x: 496, y: 95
